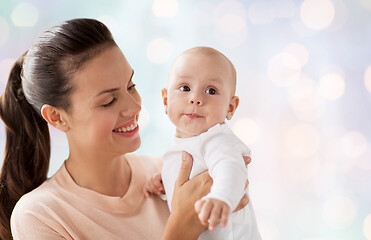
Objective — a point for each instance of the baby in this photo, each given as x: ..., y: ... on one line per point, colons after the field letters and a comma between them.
x: 199, y: 97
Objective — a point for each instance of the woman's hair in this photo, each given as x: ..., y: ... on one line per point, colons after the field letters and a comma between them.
x: 43, y: 75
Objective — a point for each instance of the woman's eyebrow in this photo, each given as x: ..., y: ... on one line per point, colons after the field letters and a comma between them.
x: 114, y: 89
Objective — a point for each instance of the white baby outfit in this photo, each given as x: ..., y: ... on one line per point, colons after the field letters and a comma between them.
x: 221, y: 153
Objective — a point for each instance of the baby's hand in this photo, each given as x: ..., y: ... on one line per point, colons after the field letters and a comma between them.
x: 154, y: 185
x: 211, y: 212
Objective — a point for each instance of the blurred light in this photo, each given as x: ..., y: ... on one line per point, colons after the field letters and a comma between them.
x: 317, y: 14
x: 4, y: 31
x: 283, y: 69
x: 304, y: 99
x: 366, y: 4
x: 302, y: 141
x: 261, y: 13
x: 332, y: 86
x: 165, y: 8
x: 367, y: 227
x: 300, y: 52
x: 230, y: 24
x: 247, y: 130
x: 354, y: 144
x: 339, y: 211
x: 143, y: 118
x: 368, y: 79
x: 24, y: 15
x: 110, y: 23
x: 159, y: 50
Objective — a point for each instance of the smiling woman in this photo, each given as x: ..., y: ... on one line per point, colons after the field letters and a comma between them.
x: 77, y: 79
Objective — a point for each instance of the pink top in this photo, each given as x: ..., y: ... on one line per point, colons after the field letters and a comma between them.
x: 60, y: 209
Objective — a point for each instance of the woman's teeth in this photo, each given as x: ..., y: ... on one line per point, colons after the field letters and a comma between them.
x: 127, y: 129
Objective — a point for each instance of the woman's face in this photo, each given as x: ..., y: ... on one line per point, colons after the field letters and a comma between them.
x: 103, y: 118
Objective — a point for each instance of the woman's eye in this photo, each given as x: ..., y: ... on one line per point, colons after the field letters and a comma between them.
x: 184, y: 89
x: 132, y: 87
x: 211, y: 91
x: 110, y: 103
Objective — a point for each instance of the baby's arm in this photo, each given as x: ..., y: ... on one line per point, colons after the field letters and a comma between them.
x: 224, y: 158
x: 154, y: 185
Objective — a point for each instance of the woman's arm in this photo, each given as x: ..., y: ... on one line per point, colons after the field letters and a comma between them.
x: 183, y: 223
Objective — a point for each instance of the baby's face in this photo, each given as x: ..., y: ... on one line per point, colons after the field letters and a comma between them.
x: 200, y: 93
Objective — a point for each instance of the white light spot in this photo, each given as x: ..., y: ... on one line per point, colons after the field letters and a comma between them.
x: 332, y: 86
x: 4, y: 31
x: 159, y: 50
x: 339, y: 211
x: 24, y: 15
x: 283, y: 69
x: 354, y: 144
x: 368, y: 79
x: 367, y: 227
x: 247, y: 130
x: 165, y: 8
x: 317, y: 14
x: 302, y: 140
x: 299, y: 51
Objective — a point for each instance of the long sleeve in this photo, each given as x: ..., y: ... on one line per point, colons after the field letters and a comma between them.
x: 224, y: 159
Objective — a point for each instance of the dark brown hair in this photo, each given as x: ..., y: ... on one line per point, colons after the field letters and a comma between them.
x: 41, y: 76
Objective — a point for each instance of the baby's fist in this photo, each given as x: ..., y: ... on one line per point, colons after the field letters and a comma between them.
x: 212, y: 211
x: 154, y: 185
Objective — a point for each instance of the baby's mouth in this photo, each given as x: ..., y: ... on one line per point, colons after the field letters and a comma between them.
x: 128, y: 128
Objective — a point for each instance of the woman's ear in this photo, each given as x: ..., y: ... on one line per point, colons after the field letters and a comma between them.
x: 164, y: 98
x: 233, y: 104
x: 55, y: 117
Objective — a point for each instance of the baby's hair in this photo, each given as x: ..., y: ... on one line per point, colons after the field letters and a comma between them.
x: 43, y: 75
x: 213, y: 52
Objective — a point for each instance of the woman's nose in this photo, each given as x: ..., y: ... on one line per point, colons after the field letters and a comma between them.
x: 131, y: 106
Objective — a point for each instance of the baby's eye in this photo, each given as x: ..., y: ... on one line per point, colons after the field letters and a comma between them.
x: 184, y: 89
x: 211, y: 91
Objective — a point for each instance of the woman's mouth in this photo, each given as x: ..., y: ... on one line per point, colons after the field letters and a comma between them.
x: 129, y: 128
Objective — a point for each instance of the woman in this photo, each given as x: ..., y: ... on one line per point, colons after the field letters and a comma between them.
x: 77, y: 79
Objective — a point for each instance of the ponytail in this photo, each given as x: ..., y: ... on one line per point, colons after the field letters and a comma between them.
x: 27, y: 149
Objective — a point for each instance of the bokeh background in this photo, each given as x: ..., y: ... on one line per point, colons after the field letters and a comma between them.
x: 304, y: 80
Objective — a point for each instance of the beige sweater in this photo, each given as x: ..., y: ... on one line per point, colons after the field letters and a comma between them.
x: 60, y: 209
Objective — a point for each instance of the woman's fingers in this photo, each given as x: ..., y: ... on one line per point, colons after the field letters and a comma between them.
x: 185, y: 169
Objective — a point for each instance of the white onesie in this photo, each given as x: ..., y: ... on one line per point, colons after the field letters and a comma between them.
x: 221, y: 153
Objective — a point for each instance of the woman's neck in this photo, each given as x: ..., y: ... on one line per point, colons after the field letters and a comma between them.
x: 108, y: 176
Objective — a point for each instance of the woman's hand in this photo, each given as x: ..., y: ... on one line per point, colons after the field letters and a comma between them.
x: 183, y: 223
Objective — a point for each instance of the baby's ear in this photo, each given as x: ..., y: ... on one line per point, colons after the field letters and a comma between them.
x: 164, y: 98
x: 233, y: 104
